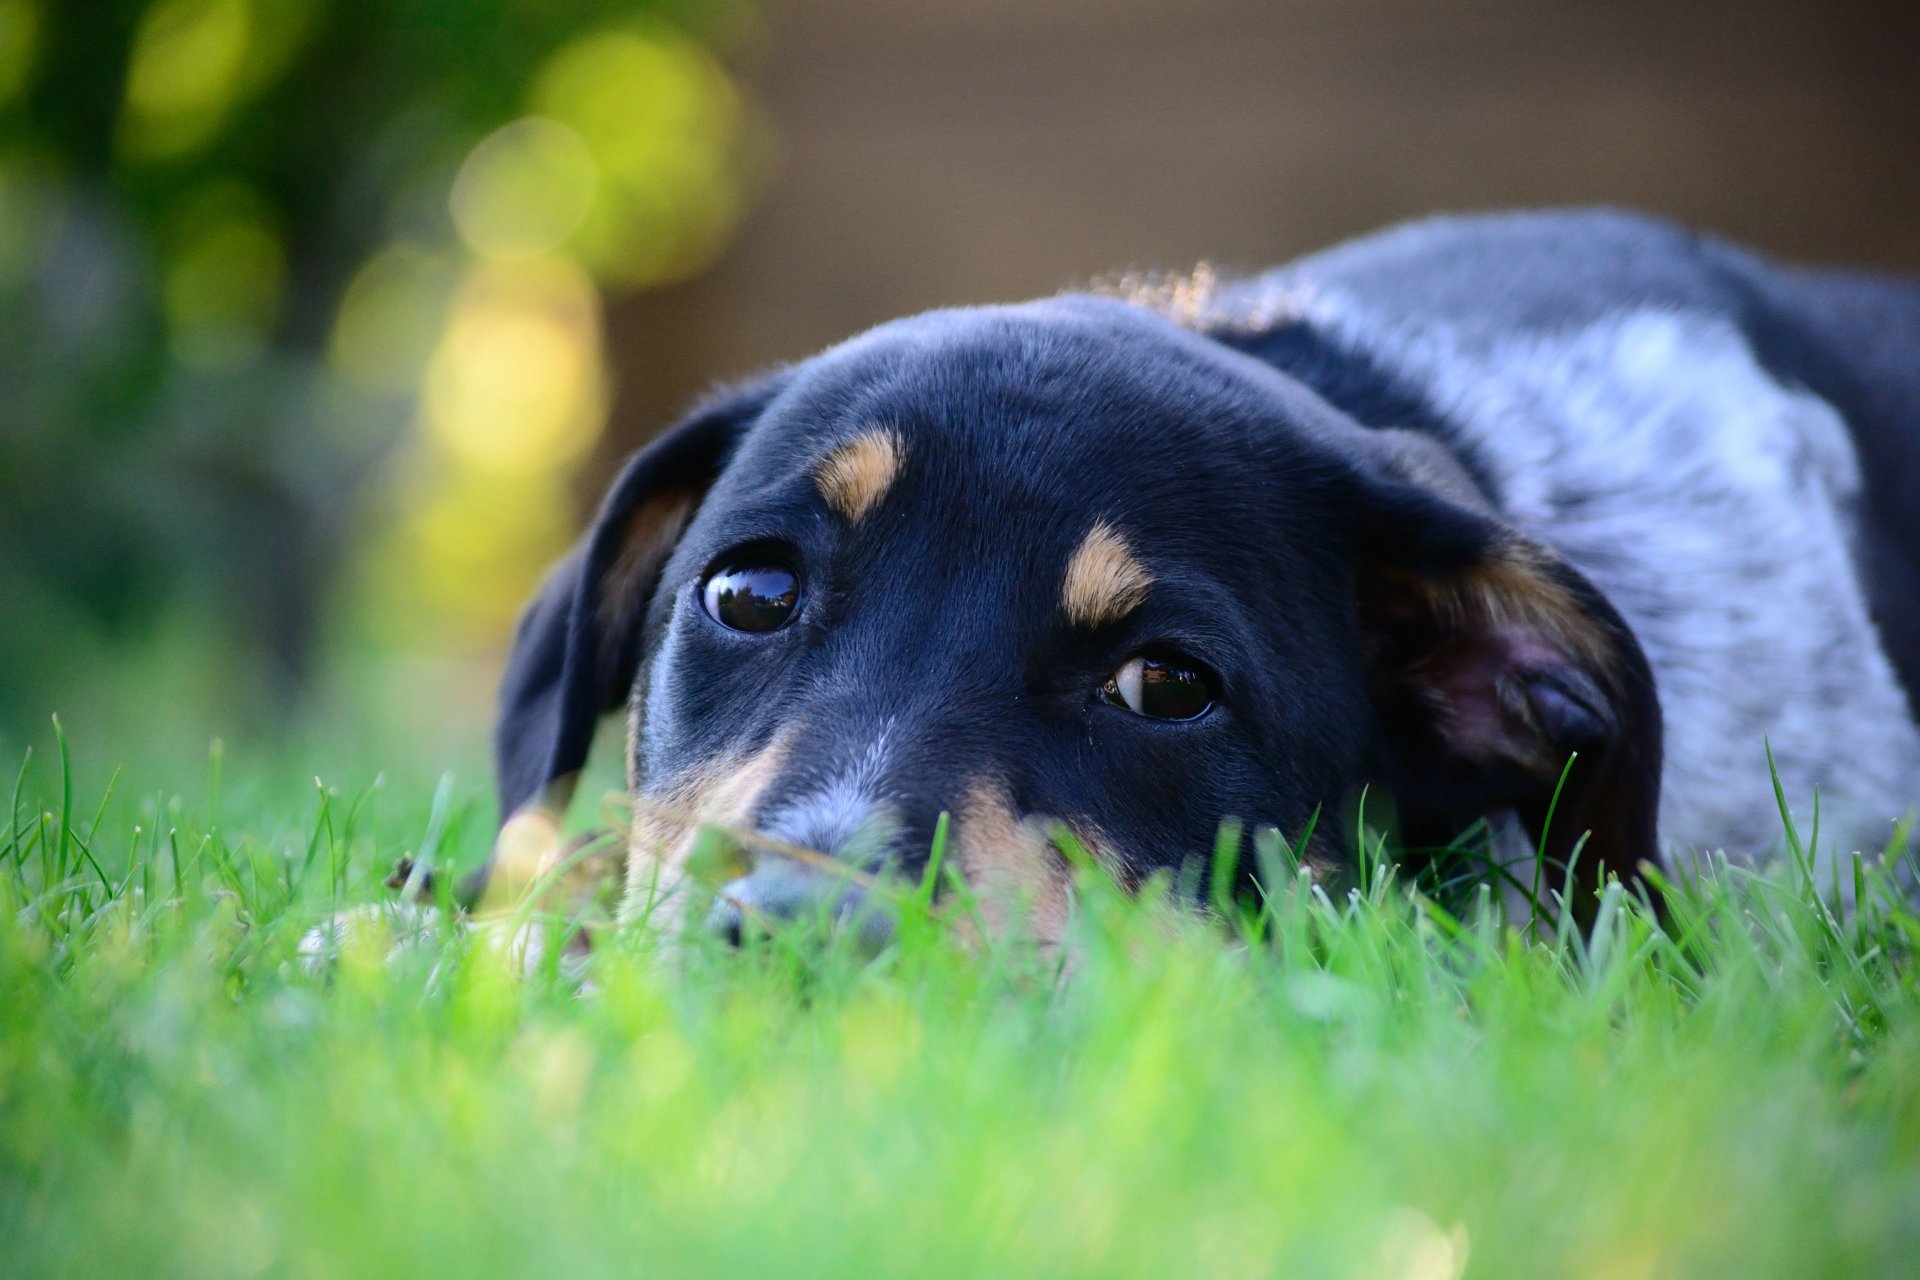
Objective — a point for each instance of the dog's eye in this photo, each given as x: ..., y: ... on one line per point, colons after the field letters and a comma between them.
x: 752, y: 597
x: 1163, y: 684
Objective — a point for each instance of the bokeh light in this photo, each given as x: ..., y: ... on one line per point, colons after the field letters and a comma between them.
x: 665, y: 125
x: 516, y: 385
x: 224, y: 277
x: 302, y: 311
x: 626, y: 171
x: 514, y: 395
x: 459, y: 551
x: 194, y: 61
x: 524, y: 190
x: 390, y: 318
x: 19, y: 36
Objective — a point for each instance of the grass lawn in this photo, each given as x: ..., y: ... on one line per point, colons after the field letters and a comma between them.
x: 1365, y: 1088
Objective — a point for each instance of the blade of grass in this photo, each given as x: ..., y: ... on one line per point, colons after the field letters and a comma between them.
x: 1540, y: 845
x: 13, y: 825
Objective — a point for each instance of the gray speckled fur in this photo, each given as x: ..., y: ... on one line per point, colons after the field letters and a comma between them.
x: 843, y: 810
x: 1598, y: 380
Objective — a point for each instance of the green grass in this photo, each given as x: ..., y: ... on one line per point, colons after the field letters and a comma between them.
x: 1364, y: 1088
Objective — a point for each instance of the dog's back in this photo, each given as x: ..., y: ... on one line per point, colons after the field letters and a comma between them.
x: 1723, y: 446
x: 1858, y: 339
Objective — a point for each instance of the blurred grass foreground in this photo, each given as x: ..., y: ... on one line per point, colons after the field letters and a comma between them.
x: 1367, y: 1089
x: 300, y: 317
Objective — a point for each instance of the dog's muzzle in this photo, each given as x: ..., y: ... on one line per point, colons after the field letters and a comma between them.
x: 782, y: 893
x: 833, y: 892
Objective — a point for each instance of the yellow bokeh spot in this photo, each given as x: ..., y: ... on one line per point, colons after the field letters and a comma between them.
x: 514, y: 393
x: 1413, y: 1247
x: 19, y: 41
x: 625, y: 170
x: 390, y: 319
x: 524, y: 189
x: 516, y: 385
x: 185, y: 69
x: 663, y: 123
x: 193, y: 61
x: 224, y: 278
x: 466, y: 550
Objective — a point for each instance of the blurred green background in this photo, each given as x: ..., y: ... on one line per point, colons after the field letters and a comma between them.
x: 323, y: 321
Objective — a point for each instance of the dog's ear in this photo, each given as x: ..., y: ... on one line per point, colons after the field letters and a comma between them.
x: 577, y: 647
x: 1493, y: 663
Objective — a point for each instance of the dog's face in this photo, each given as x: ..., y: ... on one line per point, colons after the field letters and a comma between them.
x: 984, y: 564
x: 1064, y: 563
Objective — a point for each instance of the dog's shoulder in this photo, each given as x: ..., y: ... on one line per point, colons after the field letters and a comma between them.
x: 1854, y: 339
x: 1711, y: 438
x: 1489, y: 277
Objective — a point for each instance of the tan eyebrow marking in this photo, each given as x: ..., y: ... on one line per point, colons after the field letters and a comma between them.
x: 1104, y: 581
x: 856, y: 474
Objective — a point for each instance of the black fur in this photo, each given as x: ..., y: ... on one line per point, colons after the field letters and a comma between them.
x: 1298, y: 548
x: 565, y: 672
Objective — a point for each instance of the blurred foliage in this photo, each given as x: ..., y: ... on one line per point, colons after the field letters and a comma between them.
x: 193, y: 1082
x: 300, y: 306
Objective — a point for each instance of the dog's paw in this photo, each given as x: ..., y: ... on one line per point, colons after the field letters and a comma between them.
x: 398, y: 926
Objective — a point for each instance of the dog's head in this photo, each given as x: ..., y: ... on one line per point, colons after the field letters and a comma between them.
x: 1068, y: 563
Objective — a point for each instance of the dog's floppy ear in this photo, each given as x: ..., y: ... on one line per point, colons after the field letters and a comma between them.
x: 576, y: 650
x: 1492, y: 663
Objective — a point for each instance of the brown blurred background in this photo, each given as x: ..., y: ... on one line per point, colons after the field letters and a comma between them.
x: 323, y: 323
x: 979, y: 150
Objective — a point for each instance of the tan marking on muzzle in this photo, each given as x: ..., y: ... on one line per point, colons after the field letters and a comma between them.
x: 1104, y: 581
x: 1008, y: 862
x: 856, y: 475
x: 666, y: 821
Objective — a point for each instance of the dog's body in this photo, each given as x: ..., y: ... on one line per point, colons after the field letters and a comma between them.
x: 1728, y: 451
x: 1426, y: 514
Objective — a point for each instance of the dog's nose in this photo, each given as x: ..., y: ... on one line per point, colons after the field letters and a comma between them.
x: 782, y: 891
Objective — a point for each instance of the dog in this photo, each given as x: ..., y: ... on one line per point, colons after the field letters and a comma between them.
x: 1555, y: 522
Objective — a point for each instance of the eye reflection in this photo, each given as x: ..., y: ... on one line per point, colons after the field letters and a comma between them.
x: 1161, y: 684
x: 752, y: 596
